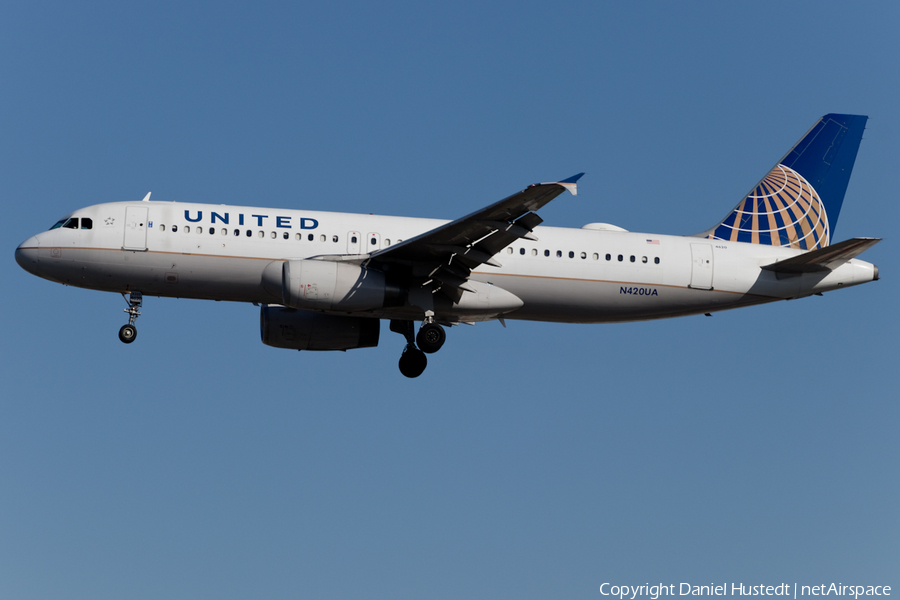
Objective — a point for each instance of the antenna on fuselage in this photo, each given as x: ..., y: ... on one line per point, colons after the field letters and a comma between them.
x: 146, y: 198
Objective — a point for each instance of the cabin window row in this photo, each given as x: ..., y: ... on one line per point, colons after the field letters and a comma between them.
x: 584, y: 255
x: 262, y: 234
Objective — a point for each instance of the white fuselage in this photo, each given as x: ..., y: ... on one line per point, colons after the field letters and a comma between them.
x: 221, y: 252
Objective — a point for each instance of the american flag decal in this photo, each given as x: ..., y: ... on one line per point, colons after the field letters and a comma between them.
x: 654, y: 242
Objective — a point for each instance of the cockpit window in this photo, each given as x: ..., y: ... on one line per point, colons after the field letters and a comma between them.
x: 72, y: 223
x: 67, y: 223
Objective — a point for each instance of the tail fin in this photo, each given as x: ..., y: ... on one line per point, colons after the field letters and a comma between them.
x: 798, y: 202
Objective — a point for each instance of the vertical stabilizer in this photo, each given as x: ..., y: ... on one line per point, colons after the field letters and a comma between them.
x: 798, y: 202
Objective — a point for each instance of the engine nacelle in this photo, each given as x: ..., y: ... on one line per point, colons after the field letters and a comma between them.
x: 284, y: 327
x: 329, y: 285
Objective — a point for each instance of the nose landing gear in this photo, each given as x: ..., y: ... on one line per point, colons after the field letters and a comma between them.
x: 128, y: 333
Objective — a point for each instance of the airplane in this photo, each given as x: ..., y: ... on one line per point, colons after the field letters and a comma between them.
x: 325, y: 280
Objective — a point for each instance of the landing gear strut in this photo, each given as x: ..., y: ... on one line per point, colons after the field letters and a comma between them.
x: 128, y: 332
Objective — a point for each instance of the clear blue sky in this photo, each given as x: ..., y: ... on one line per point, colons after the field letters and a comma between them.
x: 536, y: 461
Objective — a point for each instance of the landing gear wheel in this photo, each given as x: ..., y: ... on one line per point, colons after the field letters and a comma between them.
x: 431, y: 337
x: 412, y: 362
x: 127, y: 333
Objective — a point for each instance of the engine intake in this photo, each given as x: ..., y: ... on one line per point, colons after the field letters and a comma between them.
x: 283, y: 327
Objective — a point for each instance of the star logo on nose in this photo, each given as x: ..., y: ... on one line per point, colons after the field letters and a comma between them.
x: 109, y: 221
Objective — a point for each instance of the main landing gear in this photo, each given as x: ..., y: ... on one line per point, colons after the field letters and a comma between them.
x: 413, y: 361
x: 128, y: 333
x: 430, y: 338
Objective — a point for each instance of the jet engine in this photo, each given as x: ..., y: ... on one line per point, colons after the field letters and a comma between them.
x: 284, y: 327
x: 330, y: 285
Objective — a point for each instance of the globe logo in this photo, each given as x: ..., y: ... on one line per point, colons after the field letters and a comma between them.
x: 782, y: 210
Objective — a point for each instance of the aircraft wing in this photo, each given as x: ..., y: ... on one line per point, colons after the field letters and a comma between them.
x: 446, y: 255
x: 823, y: 259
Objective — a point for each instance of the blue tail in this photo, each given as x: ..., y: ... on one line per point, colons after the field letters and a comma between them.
x: 798, y: 202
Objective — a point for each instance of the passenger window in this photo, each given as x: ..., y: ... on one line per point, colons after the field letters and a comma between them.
x: 212, y: 231
x: 387, y: 242
x: 609, y: 257
x: 249, y: 233
x: 559, y: 254
x: 596, y: 256
x: 273, y: 235
x: 373, y: 241
x: 321, y: 238
x: 286, y: 235
x: 199, y: 230
x: 621, y: 258
x: 224, y: 231
x: 522, y: 251
x: 161, y: 227
x: 571, y: 254
x: 88, y: 224
x: 261, y: 234
x: 644, y: 259
x: 187, y: 228
x: 546, y: 253
x: 299, y: 237
x: 334, y: 239
x: 583, y: 255
x: 509, y: 250
x: 632, y: 258
x: 174, y: 228
x: 237, y: 232
x: 352, y: 239
x: 310, y: 237
x: 656, y: 260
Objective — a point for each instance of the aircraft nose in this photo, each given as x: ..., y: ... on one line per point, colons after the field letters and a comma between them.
x: 27, y: 254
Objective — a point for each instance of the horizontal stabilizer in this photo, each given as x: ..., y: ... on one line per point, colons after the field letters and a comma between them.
x: 824, y: 259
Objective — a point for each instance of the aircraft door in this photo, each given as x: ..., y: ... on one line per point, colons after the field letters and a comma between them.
x: 373, y: 242
x: 353, y: 242
x: 135, y: 228
x: 701, y: 266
